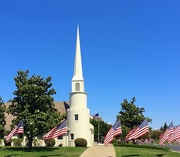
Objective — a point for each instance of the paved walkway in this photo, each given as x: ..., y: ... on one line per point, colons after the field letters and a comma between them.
x: 99, y: 151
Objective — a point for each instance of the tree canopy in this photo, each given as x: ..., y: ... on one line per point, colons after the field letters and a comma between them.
x: 2, y: 117
x: 130, y: 115
x: 163, y: 128
x: 103, y: 129
x: 33, y: 104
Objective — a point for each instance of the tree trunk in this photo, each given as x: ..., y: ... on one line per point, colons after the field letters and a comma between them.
x: 30, y: 140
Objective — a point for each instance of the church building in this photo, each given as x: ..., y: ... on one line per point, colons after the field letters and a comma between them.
x: 78, y: 115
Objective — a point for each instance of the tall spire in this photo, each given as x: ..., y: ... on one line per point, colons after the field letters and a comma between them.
x: 78, y: 74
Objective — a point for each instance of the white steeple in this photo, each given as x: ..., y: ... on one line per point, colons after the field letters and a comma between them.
x: 77, y: 80
x: 78, y: 115
x: 78, y: 75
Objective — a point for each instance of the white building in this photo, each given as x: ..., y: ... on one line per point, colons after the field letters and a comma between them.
x: 78, y: 115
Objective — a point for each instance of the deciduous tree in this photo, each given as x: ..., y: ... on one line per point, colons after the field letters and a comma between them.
x: 103, y: 128
x: 130, y: 115
x: 33, y: 104
x: 2, y: 117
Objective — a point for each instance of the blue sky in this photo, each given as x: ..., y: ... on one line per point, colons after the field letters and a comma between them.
x: 130, y: 48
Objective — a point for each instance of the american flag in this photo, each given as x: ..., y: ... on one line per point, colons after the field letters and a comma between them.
x: 56, y: 131
x: 139, y: 131
x: 166, y: 134
x: 130, y: 132
x: 114, y: 131
x: 96, y: 116
x: 175, y: 135
x: 19, y: 129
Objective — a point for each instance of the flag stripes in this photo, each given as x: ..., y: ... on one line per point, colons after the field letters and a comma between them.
x: 19, y: 129
x: 178, y: 140
x: 175, y: 135
x: 139, y: 131
x: 50, y: 134
x: 166, y: 134
x: 114, y: 131
x: 129, y: 134
x: 56, y: 131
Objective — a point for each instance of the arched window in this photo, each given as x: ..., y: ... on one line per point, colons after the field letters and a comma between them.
x: 77, y: 87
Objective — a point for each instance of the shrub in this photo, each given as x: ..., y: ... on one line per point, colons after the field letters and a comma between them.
x: 80, y: 142
x: 17, y: 142
x: 50, y: 142
x: 7, y: 143
x: 121, y: 144
x: 35, y: 142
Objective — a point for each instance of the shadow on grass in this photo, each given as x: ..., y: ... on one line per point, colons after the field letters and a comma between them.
x: 34, y: 149
x: 160, y: 154
x: 50, y: 155
x: 11, y: 155
x: 131, y: 155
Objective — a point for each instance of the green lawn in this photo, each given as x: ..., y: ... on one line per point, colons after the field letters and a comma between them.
x: 77, y: 151
x: 143, y: 152
x: 41, y: 152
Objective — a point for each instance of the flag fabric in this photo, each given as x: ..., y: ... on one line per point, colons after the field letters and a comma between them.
x: 170, y: 136
x: 50, y: 133
x: 19, y: 129
x: 139, y: 130
x: 130, y: 133
x: 96, y: 116
x: 56, y: 131
x: 166, y: 134
x: 178, y: 140
x: 114, y: 131
x: 175, y: 135
x: 161, y: 135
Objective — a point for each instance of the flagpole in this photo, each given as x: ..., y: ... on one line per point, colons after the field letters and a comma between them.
x: 67, y: 136
x: 122, y: 139
x: 122, y: 134
x: 66, y: 142
x: 23, y: 137
x: 98, y: 129
x: 23, y: 141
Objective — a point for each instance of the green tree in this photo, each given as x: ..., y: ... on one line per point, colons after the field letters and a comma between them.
x: 163, y: 128
x: 103, y: 128
x: 130, y: 115
x: 2, y: 118
x: 33, y: 104
x: 155, y: 134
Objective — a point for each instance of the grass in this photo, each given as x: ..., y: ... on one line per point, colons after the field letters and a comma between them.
x: 143, y: 152
x: 77, y: 151
x: 41, y: 152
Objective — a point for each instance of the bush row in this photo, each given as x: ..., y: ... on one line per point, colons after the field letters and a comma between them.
x: 121, y: 144
x: 79, y: 142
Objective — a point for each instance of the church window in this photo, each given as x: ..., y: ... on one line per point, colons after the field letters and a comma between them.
x: 76, y: 117
x: 60, y: 137
x: 72, y: 136
x: 77, y: 87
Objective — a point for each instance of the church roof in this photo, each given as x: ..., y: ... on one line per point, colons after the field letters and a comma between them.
x: 60, y: 106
